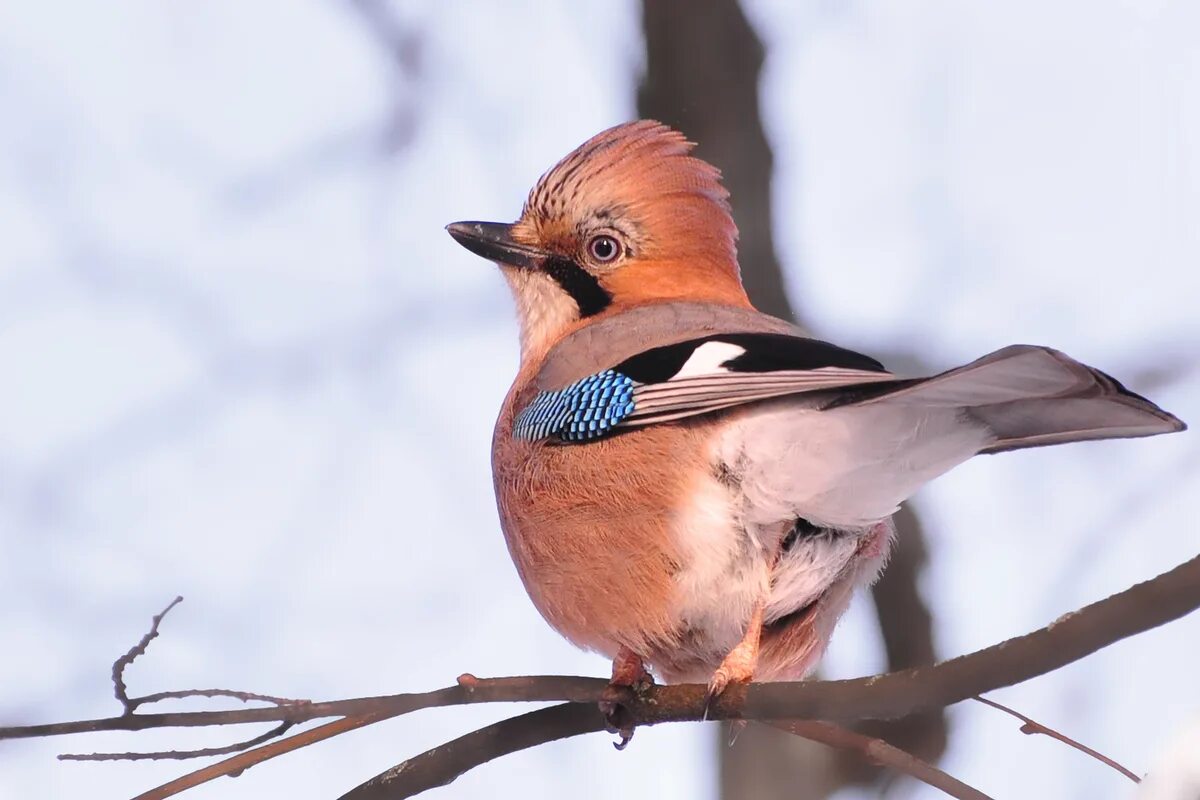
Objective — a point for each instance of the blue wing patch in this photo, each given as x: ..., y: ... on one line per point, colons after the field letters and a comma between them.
x: 585, y: 410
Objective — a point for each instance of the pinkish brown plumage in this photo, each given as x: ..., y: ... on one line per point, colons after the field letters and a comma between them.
x: 687, y: 482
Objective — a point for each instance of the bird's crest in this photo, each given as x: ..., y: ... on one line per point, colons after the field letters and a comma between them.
x: 642, y: 170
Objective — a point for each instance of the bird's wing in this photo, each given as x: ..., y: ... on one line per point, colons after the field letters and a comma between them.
x: 723, y: 370
x: 692, y: 377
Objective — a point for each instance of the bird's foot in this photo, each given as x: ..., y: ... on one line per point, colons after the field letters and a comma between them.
x: 737, y: 668
x: 629, y: 679
x: 735, y: 672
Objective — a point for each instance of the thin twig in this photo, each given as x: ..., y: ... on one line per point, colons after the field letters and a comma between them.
x: 882, y: 753
x: 245, y: 697
x: 441, y: 765
x: 1030, y: 727
x: 179, y: 755
x: 118, y: 667
x: 130, y: 705
x: 240, y: 763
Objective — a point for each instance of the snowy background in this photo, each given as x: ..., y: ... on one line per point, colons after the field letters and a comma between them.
x: 240, y: 360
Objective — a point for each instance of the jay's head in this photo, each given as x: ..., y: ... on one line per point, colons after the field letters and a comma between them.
x: 628, y: 218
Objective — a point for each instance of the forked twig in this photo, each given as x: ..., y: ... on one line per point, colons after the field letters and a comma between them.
x: 1030, y: 727
x: 139, y: 649
x: 882, y: 753
x: 130, y: 705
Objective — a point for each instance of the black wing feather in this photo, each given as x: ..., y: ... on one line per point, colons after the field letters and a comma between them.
x: 765, y: 352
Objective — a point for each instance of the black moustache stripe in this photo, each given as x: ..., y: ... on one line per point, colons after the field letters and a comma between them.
x: 580, y: 284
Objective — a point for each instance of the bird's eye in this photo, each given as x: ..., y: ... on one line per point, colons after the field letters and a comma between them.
x: 603, y: 248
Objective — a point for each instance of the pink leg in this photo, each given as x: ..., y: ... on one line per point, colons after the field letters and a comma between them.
x: 628, y: 675
x: 629, y: 670
x: 738, y: 666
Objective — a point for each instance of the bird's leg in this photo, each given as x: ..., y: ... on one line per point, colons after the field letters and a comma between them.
x: 738, y: 666
x: 629, y: 676
x: 629, y: 670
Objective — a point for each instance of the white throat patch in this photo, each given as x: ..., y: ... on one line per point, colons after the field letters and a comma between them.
x: 543, y: 308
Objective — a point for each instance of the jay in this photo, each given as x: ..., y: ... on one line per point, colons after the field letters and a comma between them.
x: 689, y: 486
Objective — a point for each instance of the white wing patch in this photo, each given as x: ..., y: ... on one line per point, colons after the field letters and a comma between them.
x: 708, y: 358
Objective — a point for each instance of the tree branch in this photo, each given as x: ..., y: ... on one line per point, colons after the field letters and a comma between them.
x: 1069, y: 638
x: 441, y: 765
x: 1073, y: 636
x: 120, y: 691
x: 882, y: 753
x: 531, y: 688
x: 179, y: 755
x: 243, y: 761
x: 245, y: 697
x: 1030, y: 727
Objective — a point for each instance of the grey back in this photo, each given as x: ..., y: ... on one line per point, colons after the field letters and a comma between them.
x: 609, y: 341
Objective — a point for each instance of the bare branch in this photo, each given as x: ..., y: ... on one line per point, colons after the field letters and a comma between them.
x: 245, y: 697
x: 1070, y: 638
x: 1031, y: 727
x: 118, y: 667
x: 533, y: 688
x: 882, y: 753
x: 240, y: 763
x: 1139, y: 608
x: 130, y: 705
x: 441, y: 765
x: 1061, y: 642
x: 237, y: 747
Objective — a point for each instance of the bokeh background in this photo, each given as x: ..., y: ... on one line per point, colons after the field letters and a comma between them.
x: 240, y: 361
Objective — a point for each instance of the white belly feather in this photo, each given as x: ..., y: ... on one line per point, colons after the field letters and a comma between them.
x: 845, y: 469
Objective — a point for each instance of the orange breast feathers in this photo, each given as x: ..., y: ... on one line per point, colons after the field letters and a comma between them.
x: 591, y: 528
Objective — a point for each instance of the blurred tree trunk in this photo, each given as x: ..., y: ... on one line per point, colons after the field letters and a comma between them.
x: 702, y: 66
x: 702, y: 63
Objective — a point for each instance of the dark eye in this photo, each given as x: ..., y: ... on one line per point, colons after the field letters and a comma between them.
x: 603, y: 248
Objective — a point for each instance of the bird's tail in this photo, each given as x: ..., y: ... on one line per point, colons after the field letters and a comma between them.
x: 1031, y: 396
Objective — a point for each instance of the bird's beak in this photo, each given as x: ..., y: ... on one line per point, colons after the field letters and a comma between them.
x: 494, y: 241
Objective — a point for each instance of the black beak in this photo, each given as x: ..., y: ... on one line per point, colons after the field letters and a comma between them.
x: 493, y: 241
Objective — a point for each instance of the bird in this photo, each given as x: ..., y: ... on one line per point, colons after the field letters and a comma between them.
x: 695, y: 489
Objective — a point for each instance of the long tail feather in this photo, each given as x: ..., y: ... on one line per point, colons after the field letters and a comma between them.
x: 1031, y: 396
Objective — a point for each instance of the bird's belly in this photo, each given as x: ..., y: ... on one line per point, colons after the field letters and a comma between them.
x: 724, y: 572
x: 591, y: 529
x: 657, y: 555
x: 729, y: 566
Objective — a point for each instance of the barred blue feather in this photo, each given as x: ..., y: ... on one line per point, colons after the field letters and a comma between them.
x: 585, y: 410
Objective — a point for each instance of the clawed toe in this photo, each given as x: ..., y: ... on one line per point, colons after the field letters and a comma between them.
x: 629, y: 679
x: 737, y: 668
x: 617, y: 718
x: 728, y: 677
